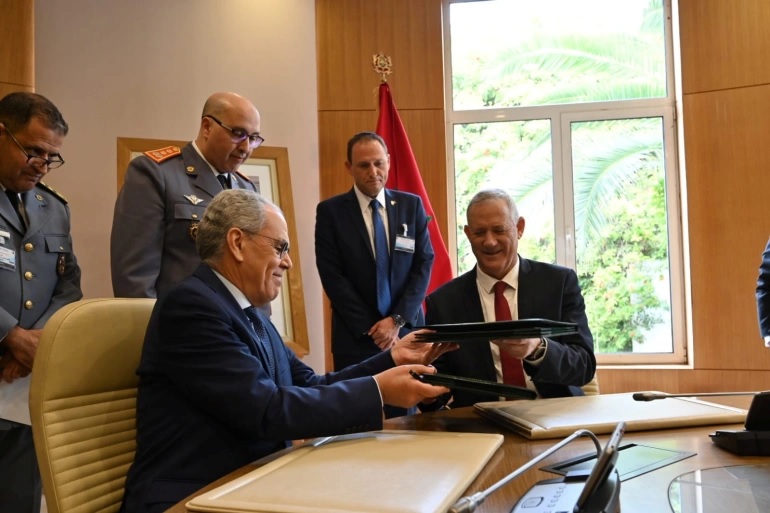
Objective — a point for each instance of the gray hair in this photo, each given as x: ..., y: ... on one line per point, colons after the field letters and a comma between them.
x: 231, y: 208
x: 491, y: 195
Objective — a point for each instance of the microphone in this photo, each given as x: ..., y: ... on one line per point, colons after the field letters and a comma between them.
x: 469, y: 503
x: 652, y: 396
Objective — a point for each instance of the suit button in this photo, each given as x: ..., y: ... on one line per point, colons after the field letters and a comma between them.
x: 28, y: 275
x: 29, y: 305
x: 29, y: 246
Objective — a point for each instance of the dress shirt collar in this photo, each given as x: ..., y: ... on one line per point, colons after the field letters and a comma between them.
x: 487, y: 283
x: 235, y: 291
x: 364, y: 200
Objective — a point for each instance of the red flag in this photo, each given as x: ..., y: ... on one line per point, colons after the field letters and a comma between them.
x: 405, y: 176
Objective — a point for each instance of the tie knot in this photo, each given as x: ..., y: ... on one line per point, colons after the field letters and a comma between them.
x: 224, y: 179
x: 500, y: 287
x: 375, y: 204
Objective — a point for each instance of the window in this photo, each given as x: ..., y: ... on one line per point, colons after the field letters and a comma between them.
x: 570, y: 107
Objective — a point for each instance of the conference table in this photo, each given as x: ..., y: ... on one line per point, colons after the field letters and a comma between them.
x: 645, y: 493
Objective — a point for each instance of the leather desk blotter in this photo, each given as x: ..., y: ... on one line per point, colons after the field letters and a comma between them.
x: 560, y: 417
x: 379, y: 472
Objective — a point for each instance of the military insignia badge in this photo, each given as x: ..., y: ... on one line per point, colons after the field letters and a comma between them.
x: 163, y: 154
x: 193, y: 231
x: 192, y: 198
x: 190, y: 169
x: 60, y: 265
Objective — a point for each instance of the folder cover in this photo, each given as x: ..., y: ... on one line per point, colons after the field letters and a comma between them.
x: 486, y: 331
x: 380, y: 472
x: 560, y: 417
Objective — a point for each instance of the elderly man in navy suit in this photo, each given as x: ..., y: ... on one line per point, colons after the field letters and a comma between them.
x: 218, y: 388
x: 376, y: 295
x: 505, y: 286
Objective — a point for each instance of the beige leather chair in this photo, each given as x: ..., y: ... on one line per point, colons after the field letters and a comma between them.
x: 83, y: 402
x: 592, y: 387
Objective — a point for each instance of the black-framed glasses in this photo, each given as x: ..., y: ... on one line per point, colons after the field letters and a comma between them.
x: 280, y: 246
x: 38, y: 162
x: 238, y: 136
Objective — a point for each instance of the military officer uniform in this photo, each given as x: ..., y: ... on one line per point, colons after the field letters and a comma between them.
x: 38, y: 275
x: 156, y: 219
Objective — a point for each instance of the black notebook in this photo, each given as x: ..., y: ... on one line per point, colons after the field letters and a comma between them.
x: 486, y: 331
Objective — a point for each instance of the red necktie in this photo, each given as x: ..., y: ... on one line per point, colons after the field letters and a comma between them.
x: 513, y: 372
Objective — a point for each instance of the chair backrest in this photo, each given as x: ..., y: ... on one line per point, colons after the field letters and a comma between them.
x: 83, y: 402
x: 592, y: 387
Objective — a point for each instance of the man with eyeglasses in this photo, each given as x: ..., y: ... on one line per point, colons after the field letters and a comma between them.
x: 218, y: 388
x: 38, y: 275
x: 166, y: 191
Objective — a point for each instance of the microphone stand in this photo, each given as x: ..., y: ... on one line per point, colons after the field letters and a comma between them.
x: 469, y: 503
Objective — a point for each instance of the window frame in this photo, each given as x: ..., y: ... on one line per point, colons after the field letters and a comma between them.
x: 561, y: 117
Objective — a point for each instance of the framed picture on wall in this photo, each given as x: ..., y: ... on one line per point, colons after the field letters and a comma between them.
x: 268, y: 168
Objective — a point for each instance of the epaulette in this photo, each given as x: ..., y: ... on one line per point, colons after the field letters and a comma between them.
x: 163, y: 154
x: 53, y: 192
x: 243, y: 176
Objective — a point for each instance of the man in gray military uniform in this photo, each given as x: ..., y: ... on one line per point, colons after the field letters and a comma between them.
x: 166, y: 191
x: 38, y: 275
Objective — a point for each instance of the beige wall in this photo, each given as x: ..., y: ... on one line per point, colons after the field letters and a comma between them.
x: 143, y: 68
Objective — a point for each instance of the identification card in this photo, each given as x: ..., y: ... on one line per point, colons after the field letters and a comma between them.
x: 404, y: 244
x: 7, y: 259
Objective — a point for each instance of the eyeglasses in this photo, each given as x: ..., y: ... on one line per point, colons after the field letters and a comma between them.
x: 280, y: 246
x: 38, y: 162
x: 238, y: 136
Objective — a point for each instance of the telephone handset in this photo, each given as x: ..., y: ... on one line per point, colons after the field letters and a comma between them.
x: 598, y: 492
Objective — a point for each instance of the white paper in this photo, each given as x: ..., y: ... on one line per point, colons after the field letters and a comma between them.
x: 14, y: 400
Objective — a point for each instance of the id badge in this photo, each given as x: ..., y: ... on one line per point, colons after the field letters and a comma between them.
x: 7, y: 259
x: 404, y: 244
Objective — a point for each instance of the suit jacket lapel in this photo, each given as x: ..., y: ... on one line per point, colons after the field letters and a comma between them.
x: 9, y: 213
x: 206, y: 275
x: 200, y: 172
x: 391, y: 208
x: 35, y: 205
x: 524, y: 296
x: 357, y: 220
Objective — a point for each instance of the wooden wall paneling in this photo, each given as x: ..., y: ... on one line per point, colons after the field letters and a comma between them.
x: 724, y: 44
x: 349, y: 32
x: 615, y: 381
x: 335, y: 128
x: 17, y: 46
x: 727, y: 153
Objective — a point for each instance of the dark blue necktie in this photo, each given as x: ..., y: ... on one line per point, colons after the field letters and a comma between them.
x: 381, y: 259
x: 264, y: 341
x: 224, y: 179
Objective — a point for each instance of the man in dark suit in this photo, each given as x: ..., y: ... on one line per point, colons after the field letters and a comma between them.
x: 218, y: 389
x: 166, y: 191
x: 345, y: 242
x: 38, y: 275
x: 763, y: 296
x: 554, y: 367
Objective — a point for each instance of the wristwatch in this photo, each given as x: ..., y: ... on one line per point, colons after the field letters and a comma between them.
x: 400, y: 322
x: 537, y: 353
